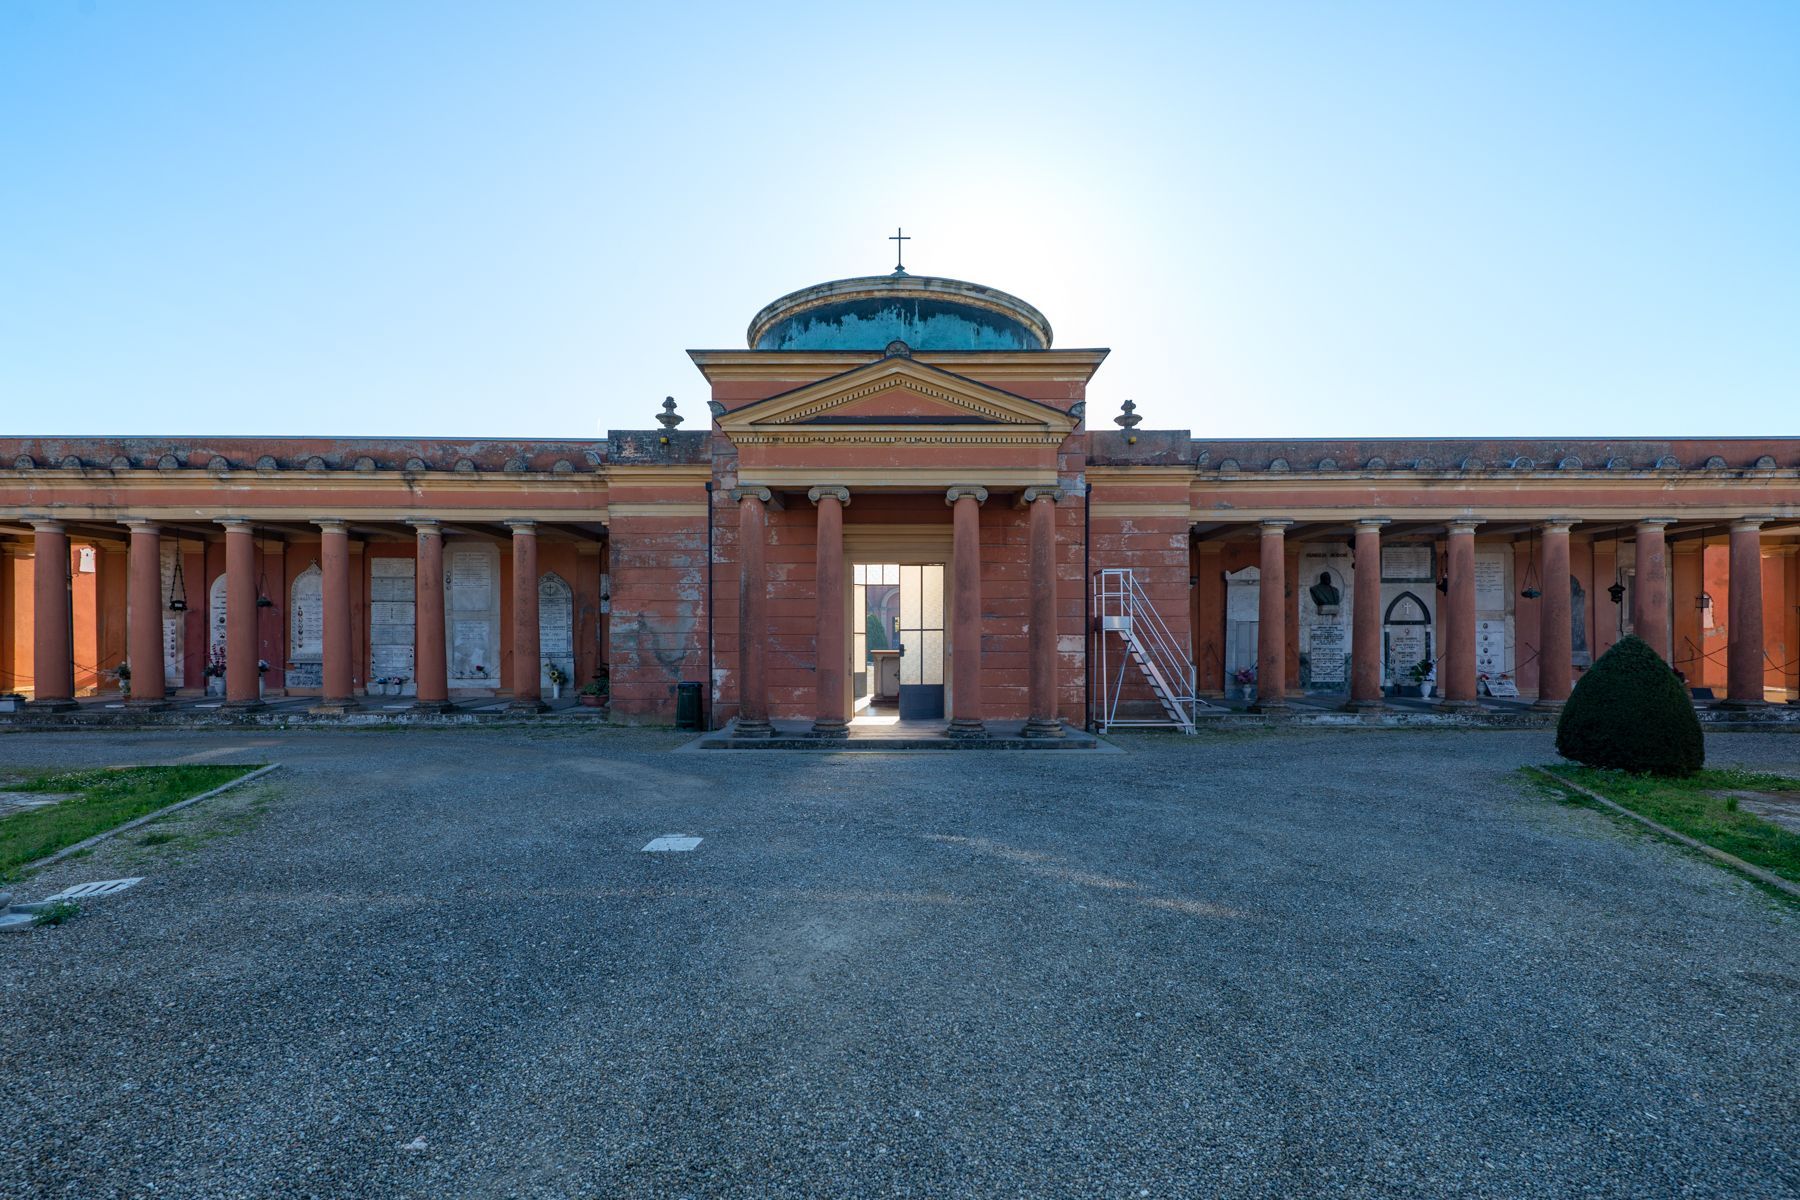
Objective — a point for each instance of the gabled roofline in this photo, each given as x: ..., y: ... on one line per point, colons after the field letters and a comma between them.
x: 1076, y: 365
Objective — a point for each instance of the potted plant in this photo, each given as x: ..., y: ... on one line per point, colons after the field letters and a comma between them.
x: 262, y: 668
x: 1245, y: 678
x: 592, y: 694
x: 557, y: 679
x: 214, y: 673
x: 1424, y: 677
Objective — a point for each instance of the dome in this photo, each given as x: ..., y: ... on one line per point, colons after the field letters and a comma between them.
x: 924, y: 311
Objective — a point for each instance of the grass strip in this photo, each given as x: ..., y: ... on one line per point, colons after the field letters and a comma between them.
x: 104, y: 799
x: 1696, y: 807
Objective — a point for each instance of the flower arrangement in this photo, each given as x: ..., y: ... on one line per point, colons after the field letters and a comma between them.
x: 215, y: 666
x: 262, y: 666
x: 1244, y: 676
x: 555, y: 674
x: 481, y: 670
x: 124, y: 672
x: 1420, y: 671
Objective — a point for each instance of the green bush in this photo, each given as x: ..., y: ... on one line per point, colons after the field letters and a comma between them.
x: 1631, y: 713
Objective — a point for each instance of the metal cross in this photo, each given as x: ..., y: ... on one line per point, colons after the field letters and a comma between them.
x: 899, y: 249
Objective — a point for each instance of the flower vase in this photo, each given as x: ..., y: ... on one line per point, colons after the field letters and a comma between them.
x: 556, y: 691
x: 1249, y: 693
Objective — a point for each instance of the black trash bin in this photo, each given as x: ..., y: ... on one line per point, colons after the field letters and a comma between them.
x: 687, y: 706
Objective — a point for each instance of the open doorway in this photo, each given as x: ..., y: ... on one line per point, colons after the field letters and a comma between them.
x: 897, y: 633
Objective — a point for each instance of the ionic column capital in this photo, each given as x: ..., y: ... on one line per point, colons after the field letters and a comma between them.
x: 1749, y: 524
x: 332, y: 526
x: 1465, y: 524
x: 521, y: 526
x: 1560, y: 524
x: 139, y: 525
x: 1373, y: 524
x: 973, y: 491
x: 46, y: 525
x: 235, y: 524
x: 1275, y: 526
x: 1033, y: 494
x: 1646, y: 523
x: 741, y: 494
x: 840, y: 494
x: 424, y: 525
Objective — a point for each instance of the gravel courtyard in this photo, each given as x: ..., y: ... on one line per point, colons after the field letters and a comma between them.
x: 437, y: 964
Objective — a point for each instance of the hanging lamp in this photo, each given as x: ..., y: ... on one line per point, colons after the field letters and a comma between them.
x: 1617, y: 590
x: 1531, y: 591
x: 177, y: 585
x: 262, y: 586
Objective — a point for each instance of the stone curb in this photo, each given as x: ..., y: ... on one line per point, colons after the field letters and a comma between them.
x: 1730, y: 860
x: 145, y: 819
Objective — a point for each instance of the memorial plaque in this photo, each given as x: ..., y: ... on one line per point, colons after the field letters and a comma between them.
x: 306, y: 617
x: 1406, y: 645
x: 556, y: 625
x: 472, y: 603
x: 174, y: 623
x: 305, y: 674
x: 1490, y: 648
x: 391, y: 620
x: 1407, y: 562
x: 1490, y: 583
x: 1503, y: 687
x: 1327, y: 654
x: 215, y: 618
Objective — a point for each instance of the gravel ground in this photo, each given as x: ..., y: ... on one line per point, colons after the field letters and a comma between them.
x: 435, y: 964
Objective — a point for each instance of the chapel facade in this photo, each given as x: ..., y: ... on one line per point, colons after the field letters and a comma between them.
x: 898, y: 497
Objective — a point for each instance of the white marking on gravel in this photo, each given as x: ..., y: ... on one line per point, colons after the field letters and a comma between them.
x: 671, y: 843
x: 87, y: 891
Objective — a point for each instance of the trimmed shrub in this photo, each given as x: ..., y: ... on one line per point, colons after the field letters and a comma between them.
x: 1631, y: 713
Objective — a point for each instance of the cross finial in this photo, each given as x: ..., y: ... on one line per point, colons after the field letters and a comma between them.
x: 899, y: 239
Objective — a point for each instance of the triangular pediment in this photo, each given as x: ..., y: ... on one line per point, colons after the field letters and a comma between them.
x: 896, y: 393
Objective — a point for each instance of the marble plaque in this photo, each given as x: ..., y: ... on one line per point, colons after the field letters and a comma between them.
x: 1327, y: 654
x: 1503, y: 687
x: 305, y: 674
x: 1490, y: 648
x: 215, y: 618
x: 306, y: 617
x: 391, y: 620
x: 1406, y: 645
x: 1490, y: 583
x: 174, y: 623
x: 1407, y: 562
x: 472, y: 619
x: 556, y: 626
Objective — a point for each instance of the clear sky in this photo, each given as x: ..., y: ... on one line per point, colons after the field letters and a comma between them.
x: 1285, y: 219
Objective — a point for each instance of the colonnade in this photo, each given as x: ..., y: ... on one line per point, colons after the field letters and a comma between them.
x: 832, y: 664
x: 1457, y: 613
x: 52, y: 643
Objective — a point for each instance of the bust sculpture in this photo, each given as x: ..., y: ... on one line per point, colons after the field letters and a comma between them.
x: 1324, y: 594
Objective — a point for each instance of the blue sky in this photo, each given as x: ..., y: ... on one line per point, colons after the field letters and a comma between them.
x: 1285, y: 219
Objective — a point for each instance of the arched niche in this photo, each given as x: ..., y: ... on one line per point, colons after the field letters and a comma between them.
x: 1405, y: 636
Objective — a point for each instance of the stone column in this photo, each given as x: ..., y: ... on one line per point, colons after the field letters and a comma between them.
x: 338, y: 690
x: 1365, y: 632
x: 242, y: 680
x: 1744, y: 644
x: 1043, y: 720
x: 965, y: 610
x: 753, y: 612
x: 52, y: 632
x: 1556, y: 653
x: 1650, y: 596
x: 431, y: 667
x: 832, y: 654
x: 1271, y: 619
x: 527, y: 646
x: 143, y: 616
x: 1459, y: 622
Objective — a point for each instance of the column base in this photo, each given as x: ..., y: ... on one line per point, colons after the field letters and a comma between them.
x: 1036, y: 728
x: 823, y: 728
x: 1741, y: 705
x: 147, y: 705
x: 751, y: 728
x: 433, y: 706
x: 334, y: 708
x: 1547, y: 705
x: 51, y: 705
x: 1456, y: 705
x: 250, y: 705
x: 966, y: 729
x: 1366, y: 706
x: 529, y: 704
x: 1278, y: 705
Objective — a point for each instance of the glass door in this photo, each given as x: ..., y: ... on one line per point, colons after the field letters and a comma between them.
x: 921, y: 641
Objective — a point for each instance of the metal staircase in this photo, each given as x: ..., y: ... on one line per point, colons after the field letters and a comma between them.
x: 1124, y: 612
